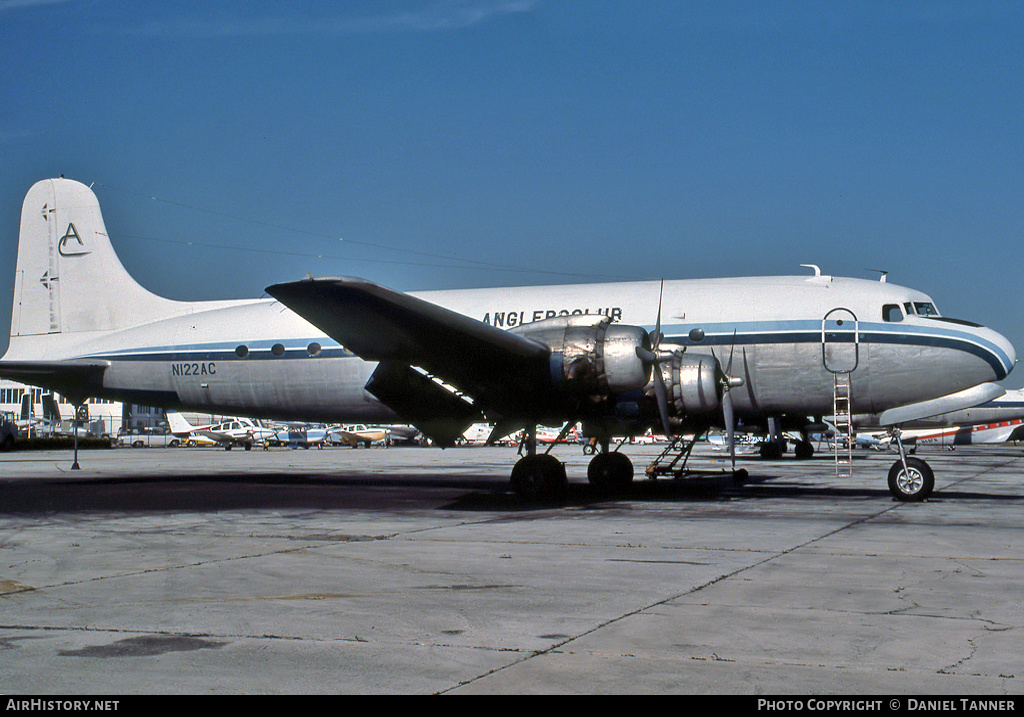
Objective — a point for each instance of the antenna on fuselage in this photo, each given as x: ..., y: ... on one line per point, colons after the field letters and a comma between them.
x: 817, y: 270
x: 883, y: 272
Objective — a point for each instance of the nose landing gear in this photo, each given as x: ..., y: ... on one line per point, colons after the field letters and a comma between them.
x: 911, y: 480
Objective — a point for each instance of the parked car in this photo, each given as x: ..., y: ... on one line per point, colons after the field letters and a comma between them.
x: 147, y: 437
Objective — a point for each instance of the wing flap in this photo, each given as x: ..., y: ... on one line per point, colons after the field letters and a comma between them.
x: 438, y: 413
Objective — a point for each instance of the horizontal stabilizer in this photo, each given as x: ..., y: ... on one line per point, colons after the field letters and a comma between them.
x: 75, y: 380
x: 969, y: 398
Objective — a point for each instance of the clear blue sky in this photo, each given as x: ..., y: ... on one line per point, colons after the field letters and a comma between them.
x: 455, y: 143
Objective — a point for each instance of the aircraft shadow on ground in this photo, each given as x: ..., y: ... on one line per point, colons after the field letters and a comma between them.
x: 466, y: 492
x: 480, y: 491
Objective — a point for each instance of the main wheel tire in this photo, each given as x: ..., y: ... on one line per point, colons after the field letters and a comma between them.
x: 803, y: 450
x: 914, y: 484
x: 539, y: 477
x: 610, y: 472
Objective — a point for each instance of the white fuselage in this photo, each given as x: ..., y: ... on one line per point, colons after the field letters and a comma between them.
x: 782, y: 335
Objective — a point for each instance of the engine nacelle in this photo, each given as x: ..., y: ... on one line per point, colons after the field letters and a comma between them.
x: 691, y: 382
x: 591, y: 356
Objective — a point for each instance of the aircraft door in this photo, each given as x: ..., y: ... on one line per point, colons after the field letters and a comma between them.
x: 840, y: 341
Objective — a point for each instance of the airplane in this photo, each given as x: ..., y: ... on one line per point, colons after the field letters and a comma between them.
x: 997, y: 432
x: 480, y: 434
x: 618, y: 357
x: 54, y: 424
x: 720, y: 442
x: 355, y: 434
x: 305, y: 435
x: 547, y: 434
x: 27, y: 423
x: 245, y: 432
x: 998, y: 421
x: 476, y: 434
x: 400, y: 434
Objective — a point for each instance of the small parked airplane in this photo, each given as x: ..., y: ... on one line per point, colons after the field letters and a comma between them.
x: 619, y: 358
x: 245, y: 432
x: 358, y: 434
x: 304, y: 435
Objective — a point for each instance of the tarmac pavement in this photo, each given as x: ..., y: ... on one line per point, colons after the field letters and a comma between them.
x: 417, y: 571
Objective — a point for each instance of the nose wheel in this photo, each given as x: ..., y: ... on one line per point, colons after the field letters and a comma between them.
x: 911, y: 480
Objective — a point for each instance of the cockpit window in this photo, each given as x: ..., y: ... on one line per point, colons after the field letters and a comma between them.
x: 892, y: 312
x: 925, y: 308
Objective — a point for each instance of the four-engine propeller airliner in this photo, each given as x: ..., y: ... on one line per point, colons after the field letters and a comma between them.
x: 617, y: 357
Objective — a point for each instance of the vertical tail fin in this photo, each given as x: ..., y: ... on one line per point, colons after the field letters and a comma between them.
x: 178, y: 425
x: 68, y: 278
x: 51, y: 412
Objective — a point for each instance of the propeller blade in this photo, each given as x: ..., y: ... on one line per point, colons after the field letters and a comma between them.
x: 657, y: 336
x: 730, y: 427
x: 732, y: 350
x: 728, y: 382
x: 646, y: 356
x: 654, y: 359
x: 724, y: 374
x: 661, y: 394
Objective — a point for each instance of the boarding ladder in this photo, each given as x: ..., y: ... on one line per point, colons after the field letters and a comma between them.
x: 842, y: 415
x: 840, y: 353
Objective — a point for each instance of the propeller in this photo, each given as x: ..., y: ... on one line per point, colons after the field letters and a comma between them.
x: 727, y: 381
x: 654, y: 358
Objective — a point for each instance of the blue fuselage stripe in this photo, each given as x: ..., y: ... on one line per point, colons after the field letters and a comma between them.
x: 753, y: 333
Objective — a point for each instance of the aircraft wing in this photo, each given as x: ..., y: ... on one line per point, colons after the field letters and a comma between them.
x: 495, y: 370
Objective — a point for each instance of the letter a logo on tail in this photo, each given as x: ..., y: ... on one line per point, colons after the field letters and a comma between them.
x: 66, y: 248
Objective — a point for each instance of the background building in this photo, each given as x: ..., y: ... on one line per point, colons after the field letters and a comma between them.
x: 105, y: 417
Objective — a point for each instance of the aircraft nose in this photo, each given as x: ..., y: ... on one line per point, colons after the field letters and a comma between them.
x: 1003, y: 355
x: 1011, y: 354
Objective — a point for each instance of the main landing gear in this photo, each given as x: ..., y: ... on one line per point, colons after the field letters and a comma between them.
x: 541, y: 476
x: 610, y: 472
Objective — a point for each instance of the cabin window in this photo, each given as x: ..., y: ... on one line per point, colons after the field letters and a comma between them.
x: 892, y: 312
x: 313, y: 349
x: 277, y: 349
x: 242, y: 351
